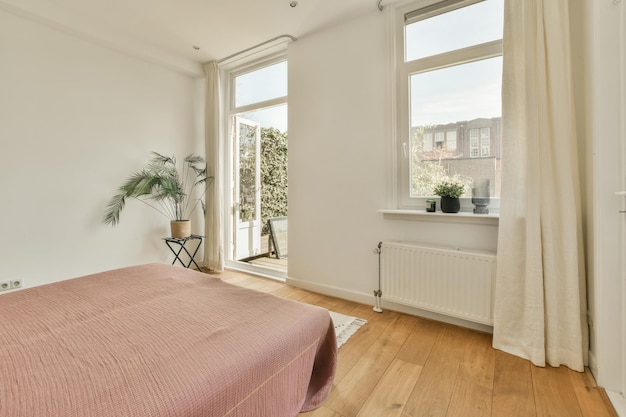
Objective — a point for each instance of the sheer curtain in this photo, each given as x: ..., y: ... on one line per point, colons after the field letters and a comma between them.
x: 540, y: 305
x: 214, y: 218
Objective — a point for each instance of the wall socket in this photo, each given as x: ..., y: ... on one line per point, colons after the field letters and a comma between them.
x: 10, y: 284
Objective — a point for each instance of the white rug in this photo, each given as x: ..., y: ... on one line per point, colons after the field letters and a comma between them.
x: 345, y: 326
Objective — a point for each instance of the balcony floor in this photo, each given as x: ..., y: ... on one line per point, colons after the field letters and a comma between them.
x: 271, y: 263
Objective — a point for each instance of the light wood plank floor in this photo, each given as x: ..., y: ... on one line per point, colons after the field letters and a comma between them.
x: 403, y: 366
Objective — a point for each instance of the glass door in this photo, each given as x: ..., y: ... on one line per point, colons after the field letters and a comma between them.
x: 247, y: 190
x: 256, y: 144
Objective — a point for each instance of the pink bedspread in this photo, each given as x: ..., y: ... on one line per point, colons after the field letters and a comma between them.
x: 158, y: 340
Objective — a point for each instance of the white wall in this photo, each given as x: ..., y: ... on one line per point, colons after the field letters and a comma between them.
x: 76, y: 119
x: 339, y: 138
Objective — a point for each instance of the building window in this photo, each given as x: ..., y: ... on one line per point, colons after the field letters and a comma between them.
x: 428, y: 142
x: 474, y: 143
x: 440, y: 138
x: 447, y: 76
x: 485, y: 142
x: 451, y: 140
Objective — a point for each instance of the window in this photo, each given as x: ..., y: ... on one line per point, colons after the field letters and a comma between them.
x: 439, y: 139
x: 428, y: 142
x: 261, y: 85
x: 485, y: 142
x: 449, y: 77
x: 451, y: 140
x: 473, y: 143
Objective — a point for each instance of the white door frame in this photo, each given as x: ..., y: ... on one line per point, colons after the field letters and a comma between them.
x: 247, y: 233
x: 621, y: 406
x: 229, y: 70
x: 605, y: 64
x: 608, y: 41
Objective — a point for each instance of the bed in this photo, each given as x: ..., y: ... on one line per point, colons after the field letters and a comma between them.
x: 159, y: 340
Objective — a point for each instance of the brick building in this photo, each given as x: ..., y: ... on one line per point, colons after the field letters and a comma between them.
x: 471, y: 148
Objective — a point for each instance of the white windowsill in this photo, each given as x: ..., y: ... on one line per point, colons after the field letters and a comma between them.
x: 423, y: 215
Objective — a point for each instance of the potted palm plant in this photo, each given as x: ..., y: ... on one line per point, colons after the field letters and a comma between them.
x: 450, y: 191
x: 161, y: 186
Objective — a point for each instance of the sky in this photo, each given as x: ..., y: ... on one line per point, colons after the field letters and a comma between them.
x: 454, y: 94
x: 264, y: 84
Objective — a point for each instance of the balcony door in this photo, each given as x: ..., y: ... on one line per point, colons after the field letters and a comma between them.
x: 247, y: 190
x: 255, y: 112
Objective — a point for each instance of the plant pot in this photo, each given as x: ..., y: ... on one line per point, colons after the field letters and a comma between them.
x: 180, y: 228
x: 450, y: 204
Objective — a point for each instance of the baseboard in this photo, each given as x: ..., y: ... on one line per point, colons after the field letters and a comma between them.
x: 618, y: 401
x: 368, y: 299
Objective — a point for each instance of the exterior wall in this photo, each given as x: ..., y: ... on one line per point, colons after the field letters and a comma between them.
x: 460, y: 160
x: 477, y: 168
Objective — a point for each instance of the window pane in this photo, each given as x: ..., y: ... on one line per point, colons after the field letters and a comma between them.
x: 451, y: 140
x: 463, y: 105
x: 473, y: 143
x: 264, y: 84
x: 428, y: 141
x: 275, y: 117
x: 462, y: 92
x: 485, y: 141
x: 467, y: 26
x: 247, y: 172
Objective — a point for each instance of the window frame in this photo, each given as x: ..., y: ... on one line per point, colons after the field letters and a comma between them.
x: 236, y: 71
x: 401, y: 78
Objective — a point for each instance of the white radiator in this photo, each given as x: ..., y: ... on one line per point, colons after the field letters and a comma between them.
x: 454, y: 282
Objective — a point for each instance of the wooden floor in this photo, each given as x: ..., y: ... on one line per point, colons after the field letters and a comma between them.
x: 403, y: 366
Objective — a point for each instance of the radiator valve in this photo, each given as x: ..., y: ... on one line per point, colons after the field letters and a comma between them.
x: 377, y: 294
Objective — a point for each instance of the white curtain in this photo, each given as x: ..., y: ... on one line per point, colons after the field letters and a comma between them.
x: 540, y: 304
x: 214, y: 218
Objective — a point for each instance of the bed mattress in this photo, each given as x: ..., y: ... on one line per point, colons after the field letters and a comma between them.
x: 158, y: 340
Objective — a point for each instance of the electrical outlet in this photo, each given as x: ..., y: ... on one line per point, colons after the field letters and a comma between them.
x: 16, y: 283
x: 5, y: 285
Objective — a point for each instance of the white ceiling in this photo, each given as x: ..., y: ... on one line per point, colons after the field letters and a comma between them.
x: 218, y: 28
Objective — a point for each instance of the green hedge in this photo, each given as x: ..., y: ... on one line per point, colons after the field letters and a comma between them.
x: 273, y: 175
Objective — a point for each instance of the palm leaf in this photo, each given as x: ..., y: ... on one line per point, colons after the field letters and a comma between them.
x: 112, y: 213
x: 160, y: 182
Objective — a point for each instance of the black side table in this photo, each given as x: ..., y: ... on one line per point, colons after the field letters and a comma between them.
x: 181, y: 241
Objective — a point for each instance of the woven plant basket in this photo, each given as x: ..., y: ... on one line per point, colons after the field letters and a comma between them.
x: 180, y: 228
